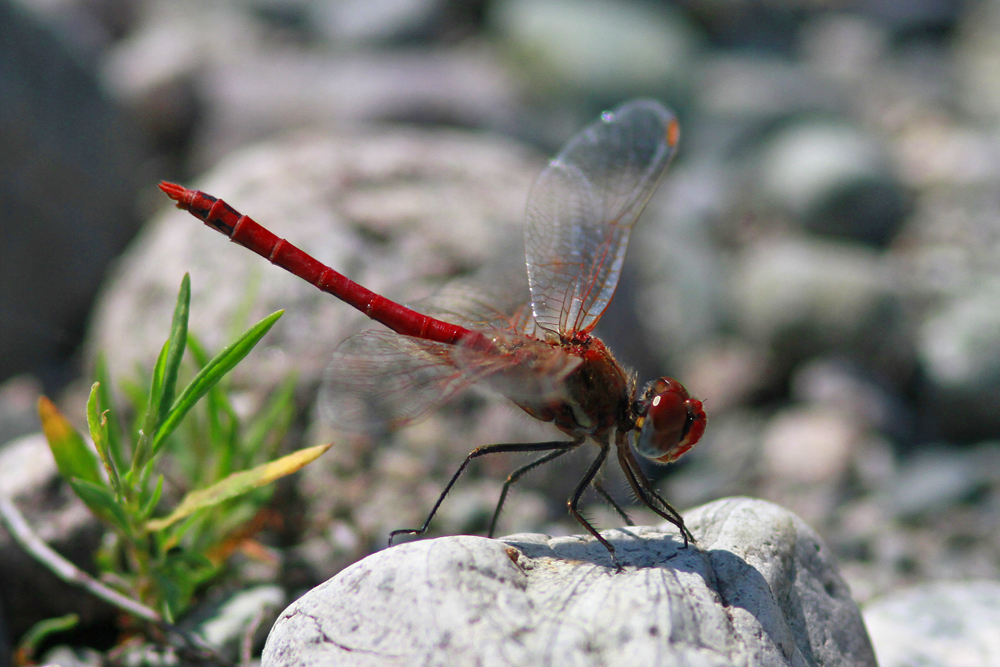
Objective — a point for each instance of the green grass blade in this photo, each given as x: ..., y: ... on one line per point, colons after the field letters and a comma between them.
x: 149, y: 506
x: 115, y: 433
x: 98, y: 424
x: 39, y: 632
x: 73, y: 456
x: 207, y: 378
x: 101, y: 502
x: 198, y: 352
x: 144, y: 450
x: 175, y: 347
x: 238, y: 484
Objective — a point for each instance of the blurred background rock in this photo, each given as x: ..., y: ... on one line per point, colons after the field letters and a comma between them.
x: 821, y: 263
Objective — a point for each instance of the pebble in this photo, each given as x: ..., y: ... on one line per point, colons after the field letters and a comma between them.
x: 835, y: 179
x: 803, y: 296
x: 608, y: 48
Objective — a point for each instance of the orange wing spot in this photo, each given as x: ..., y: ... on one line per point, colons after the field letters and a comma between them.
x: 673, y: 133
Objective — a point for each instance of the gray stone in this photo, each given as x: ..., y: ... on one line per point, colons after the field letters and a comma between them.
x: 19, y: 406
x: 936, y: 478
x: 801, y: 297
x: 835, y: 179
x: 809, y: 444
x: 674, y: 273
x: 942, y: 624
x: 358, y: 21
x: 746, y: 86
x: 759, y: 589
x: 959, y: 344
x: 607, y: 48
x: 976, y: 60
x: 226, y: 628
x: 72, y: 170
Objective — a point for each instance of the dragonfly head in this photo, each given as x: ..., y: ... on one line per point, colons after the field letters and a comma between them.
x: 669, y: 421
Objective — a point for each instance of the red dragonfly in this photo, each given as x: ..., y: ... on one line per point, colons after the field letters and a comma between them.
x: 542, y: 355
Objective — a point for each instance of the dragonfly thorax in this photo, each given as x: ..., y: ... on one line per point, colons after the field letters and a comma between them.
x: 595, y: 396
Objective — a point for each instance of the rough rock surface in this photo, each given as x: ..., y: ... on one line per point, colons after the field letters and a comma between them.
x: 948, y: 623
x: 759, y: 589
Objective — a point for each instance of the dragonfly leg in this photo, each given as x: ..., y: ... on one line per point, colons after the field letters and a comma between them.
x: 574, y: 501
x: 599, y: 487
x: 560, y: 446
x: 644, y: 490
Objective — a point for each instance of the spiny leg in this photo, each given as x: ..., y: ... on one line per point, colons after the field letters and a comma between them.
x: 476, y: 453
x: 560, y: 449
x: 644, y: 490
x: 574, y: 501
x: 599, y: 487
x: 649, y: 497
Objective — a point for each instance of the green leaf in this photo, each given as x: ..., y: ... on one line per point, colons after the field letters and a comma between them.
x: 178, y: 576
x: 73, y: 457
x: 41, y: 630
x: 101, y: 502
x: 99, y: 433
x: 144, y: 449
x: 222, y: 425
x: 239, y: 483
x: 214, y: 371
x: 197, y: 351
x: 114, y: 426
x: 175, y: 349
x: 154, y: 498
x: 225, y: 428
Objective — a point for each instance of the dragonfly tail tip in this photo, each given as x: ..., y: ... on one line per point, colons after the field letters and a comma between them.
x: 172, y: 190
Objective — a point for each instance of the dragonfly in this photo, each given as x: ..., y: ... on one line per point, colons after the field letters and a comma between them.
x: 542, y: 354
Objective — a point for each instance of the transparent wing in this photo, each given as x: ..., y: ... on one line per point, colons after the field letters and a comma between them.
x: 583, y: 206
x: 495, y: 300
x: 524, y: 369
x: 379, y: 378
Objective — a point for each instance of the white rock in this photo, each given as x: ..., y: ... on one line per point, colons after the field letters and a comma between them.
x: 227, y: 627
x: 944, y: 624
x: 760, y: 589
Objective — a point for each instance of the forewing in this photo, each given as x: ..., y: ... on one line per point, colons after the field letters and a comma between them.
x: 582, y: 208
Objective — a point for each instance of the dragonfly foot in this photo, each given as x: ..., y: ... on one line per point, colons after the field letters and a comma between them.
x: 403, y: 531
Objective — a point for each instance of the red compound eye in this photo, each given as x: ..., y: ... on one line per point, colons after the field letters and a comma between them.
x: 671, y: 421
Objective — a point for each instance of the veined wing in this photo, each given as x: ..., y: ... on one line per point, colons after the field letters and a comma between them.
x: 582, y: 208
x: 494, y: 301
x: 379, y: 378
x: 519, y: 366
